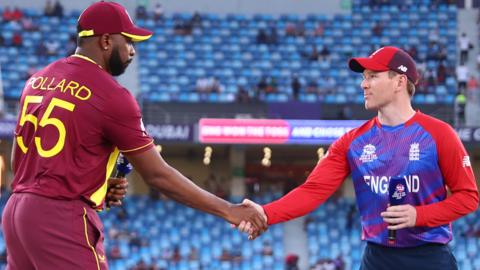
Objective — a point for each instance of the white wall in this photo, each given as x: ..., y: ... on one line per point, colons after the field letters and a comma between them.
x: 209, y: 6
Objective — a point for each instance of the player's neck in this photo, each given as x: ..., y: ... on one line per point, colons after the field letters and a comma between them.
x: 92, y: 56
x: 395, y: 115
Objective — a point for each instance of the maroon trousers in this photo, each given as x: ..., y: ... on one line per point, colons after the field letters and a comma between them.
x: 43, y: 233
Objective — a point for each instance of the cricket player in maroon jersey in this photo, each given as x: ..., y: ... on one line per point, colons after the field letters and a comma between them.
x: 74, y: 120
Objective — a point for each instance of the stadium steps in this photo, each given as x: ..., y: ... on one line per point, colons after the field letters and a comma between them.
x: 295, y: 240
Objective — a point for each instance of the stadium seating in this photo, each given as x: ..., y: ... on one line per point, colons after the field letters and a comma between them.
x: 166, y: 225
x: 225, y: 47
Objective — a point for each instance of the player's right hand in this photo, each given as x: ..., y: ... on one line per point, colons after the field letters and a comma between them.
x: 246, y: 226
x: 248, y: 213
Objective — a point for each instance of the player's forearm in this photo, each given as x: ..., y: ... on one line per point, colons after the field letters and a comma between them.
x: 181, y: 189
x: 457, y: 205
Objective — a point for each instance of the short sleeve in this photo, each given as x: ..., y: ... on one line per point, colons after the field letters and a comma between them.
x: 124, y: 127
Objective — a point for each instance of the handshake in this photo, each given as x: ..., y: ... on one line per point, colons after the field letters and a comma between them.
x: 249, y: 217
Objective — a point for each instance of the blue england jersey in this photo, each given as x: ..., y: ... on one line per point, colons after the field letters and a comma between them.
x: 424, y: 151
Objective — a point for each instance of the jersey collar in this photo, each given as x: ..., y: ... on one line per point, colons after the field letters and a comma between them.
x: 86, y: 58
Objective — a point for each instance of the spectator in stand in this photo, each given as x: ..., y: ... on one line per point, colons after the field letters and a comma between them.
x: 7, y: 14
x: 58, y: 9
x: 214, y: 85
x: 312, y: 86
x: 460, y: 101
x: 176, y: 256
x: 442, y: 53
x: 71, y: 45
x: 28, y: 25
x: 465, y: 46
x: 296, y: 86
x: 290, y: 29
x: 329, y: 85
x: 17, y: 14
x: 431, y: 80
x: 339, y: 263
x: 433, y: 51
x: 196, y: 20
x: 377, y: 29
x: 242, y: 95
x: 472, y: 87
x: 319, y: 30
x: 433, y: 36
x: 141, y: 12
x: 49, y: 9
x: 261, y: 86
x: 267, y: 249
x: 41, y: 50
x: 441, y: 73
x: 201, y: 86
x: 135, y: 241
x: 115, y: 253
x: 183, y: 28
x: 141, y: 265
x: 2, y: 40
x: 158, y: 12
x: 52, y: 47
x: 273, y: 39
x: 17, y: 39
x: 272, y: 85
x: 262, y: 37
x: 291, y: 262
x: 462, y: 77
x: 225, y: 256
x: 166, y: 254
x: 313, y: 55
x: 325, y: 54
x: 299, y: 29
x: 413, y: 52
x: 193, y: 256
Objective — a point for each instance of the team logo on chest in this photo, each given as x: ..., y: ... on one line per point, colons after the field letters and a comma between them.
x: 414, y: 153
x: 368, y: 154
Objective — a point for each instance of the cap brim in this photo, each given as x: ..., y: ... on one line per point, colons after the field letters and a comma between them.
x: 137, y: 34
x: 360, y: 64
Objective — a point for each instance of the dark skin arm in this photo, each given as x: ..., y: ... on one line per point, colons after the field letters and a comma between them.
x: 117, y: 189
x: 158, y: 174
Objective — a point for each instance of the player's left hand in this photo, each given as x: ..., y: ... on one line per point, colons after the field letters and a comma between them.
x: 117, y: 189
x: 400, y: 216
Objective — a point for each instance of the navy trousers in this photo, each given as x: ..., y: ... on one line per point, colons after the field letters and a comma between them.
x: 426, y: 257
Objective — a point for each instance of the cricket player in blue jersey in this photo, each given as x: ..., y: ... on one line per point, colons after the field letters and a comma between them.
x: 398, y: 143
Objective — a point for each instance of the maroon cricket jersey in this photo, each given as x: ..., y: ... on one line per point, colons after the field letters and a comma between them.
x: 74, y: 119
